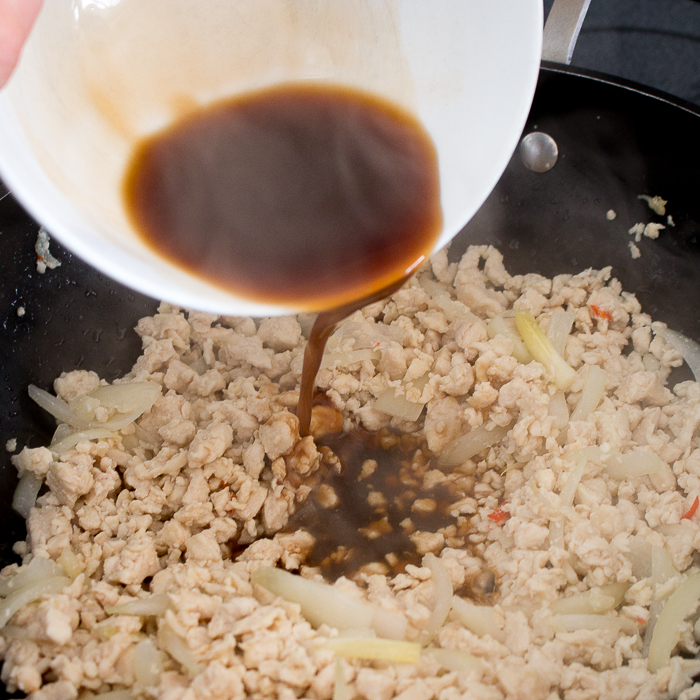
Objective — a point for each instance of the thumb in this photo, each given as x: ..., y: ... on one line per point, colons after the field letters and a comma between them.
x: 16, y: 20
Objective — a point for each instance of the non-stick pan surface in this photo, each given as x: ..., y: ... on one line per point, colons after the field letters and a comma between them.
x: 616, y: 141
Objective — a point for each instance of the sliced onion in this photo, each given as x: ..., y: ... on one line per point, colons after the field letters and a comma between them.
x: 475, y: 441
x: 573, y: 623
x: 568, y: 492
x: 398, y: 406
x: 17, y: 632
x: 662, y: 568
x: 70, y: 441
x: 58, y: 408
x: 388, y: 624
x: 153, y: 605
x: 133, y: 400
x: 680, y: 604
x: 127, y: 398
x: 559, y: 410
x: 70, y: 563
x: 594, y: 601
x: 593, y: 391
x: 479, y: 619
x: 38, y: 569
x: 177, y: 647
x: 147, y: 664
x: 633, y: 464
x: 442, y: 584
x: 688, y: 348
x: 322, y: 603
x: 63, y: 430
x: 640, y: 556
x: 503, y: 325
x: 29, y: 594
x: 540, y: 347
x: 341, y: 691
x: 674, y: 530
x: 25, y: 495
x: 375, y: 649
x: 559, y: 328
x: 455, y: 660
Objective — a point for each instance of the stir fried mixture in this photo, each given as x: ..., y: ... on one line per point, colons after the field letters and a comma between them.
x: 164, y: 558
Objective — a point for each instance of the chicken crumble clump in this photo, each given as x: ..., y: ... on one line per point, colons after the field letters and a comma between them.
x: 185, y: 503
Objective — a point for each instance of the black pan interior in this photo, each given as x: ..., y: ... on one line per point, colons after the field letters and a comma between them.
x: 615, y: 142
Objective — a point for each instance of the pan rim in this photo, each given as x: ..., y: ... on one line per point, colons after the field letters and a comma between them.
x: 616, y: 81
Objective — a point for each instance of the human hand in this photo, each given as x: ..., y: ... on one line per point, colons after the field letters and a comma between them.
x: 16, y: 20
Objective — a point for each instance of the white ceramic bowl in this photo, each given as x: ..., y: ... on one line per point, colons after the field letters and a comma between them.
x: 98, y: 75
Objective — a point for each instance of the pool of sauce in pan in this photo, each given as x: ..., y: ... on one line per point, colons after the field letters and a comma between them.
x: 374, y: 510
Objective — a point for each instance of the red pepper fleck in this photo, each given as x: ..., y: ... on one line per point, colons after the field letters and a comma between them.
x: 641, y: 620
x: 500, y: 515
x: 692, y: 510
x: 601, y: 313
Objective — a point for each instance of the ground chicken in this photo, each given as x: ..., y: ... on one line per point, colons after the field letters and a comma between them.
x: 178, y: 511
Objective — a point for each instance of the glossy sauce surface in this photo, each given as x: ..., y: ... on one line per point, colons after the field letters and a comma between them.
x: 308, y: 196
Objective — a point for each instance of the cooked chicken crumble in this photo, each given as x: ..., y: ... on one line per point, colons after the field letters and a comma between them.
x: 576, y: 556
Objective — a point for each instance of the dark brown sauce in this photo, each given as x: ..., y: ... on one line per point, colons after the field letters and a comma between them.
x: 323, y: 328
x: 303, y: 195
x: 363, y: 529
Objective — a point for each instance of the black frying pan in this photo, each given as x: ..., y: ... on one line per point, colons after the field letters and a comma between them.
x: 616, y: 140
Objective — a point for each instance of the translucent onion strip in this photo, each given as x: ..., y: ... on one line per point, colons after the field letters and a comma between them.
x: 595, y: 601
x: 580, y: 458
x: 502, y: 325
x: 680, y: 604
x: 455, y: 660
x: 593, y: 392
x: 322, y: 603
x: 58, y: 408
x: 541, y: 349
x: 374, y: 649
x: 29, y: 594
x: 633, y: 464
x: 153, y: 605
x: 573, y: 623
x: 38, y: 569
x: 475, y: 441
x: 24, y: 498
x: 559, y: 328
x: 688, y: 348
x: 340, y: 688
x: 70, y: 562
x: 398, y: 406
x: 442, y: 592
x: 147, y: 664
x: 479, y: 619
x: 177, y: 647
x: 559, y: 410
x: 73, y: 439
x: 128, y: 400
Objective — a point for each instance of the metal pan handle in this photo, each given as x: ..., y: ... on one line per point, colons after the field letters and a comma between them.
x: 562, y: 29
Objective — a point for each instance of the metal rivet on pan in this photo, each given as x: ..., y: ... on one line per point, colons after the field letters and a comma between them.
x: 539, y: 152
